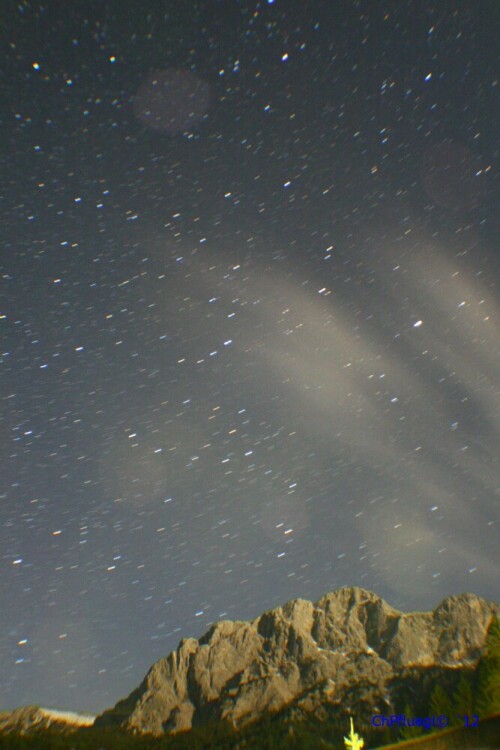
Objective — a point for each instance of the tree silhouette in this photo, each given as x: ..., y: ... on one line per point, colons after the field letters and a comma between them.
x: 488, y: 674
x: 440, y: 703
x: 409, y: 733
x: 463, y: 700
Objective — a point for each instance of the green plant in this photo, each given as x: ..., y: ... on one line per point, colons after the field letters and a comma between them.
x: 354, y: 741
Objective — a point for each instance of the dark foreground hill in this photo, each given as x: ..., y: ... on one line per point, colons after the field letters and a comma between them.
x: 264, y: 735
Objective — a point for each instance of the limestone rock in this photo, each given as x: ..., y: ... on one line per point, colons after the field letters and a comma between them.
x: 348, y: 647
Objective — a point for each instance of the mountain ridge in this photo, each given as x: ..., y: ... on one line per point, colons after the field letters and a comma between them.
x: 345, y: 652
x: 27, y: 719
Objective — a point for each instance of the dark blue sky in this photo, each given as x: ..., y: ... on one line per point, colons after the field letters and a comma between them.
x: 249, y: 329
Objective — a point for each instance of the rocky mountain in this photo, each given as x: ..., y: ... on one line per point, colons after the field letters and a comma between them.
x: 28, y: 719
x: 348, y: 652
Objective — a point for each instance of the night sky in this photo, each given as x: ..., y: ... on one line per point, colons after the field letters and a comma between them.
x: 248, y: 320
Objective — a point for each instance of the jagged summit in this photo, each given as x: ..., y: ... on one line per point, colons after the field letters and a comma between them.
x: 350, y: 648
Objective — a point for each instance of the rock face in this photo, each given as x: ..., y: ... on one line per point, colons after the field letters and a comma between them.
x: 30, y: 719
x: 349, y: 646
